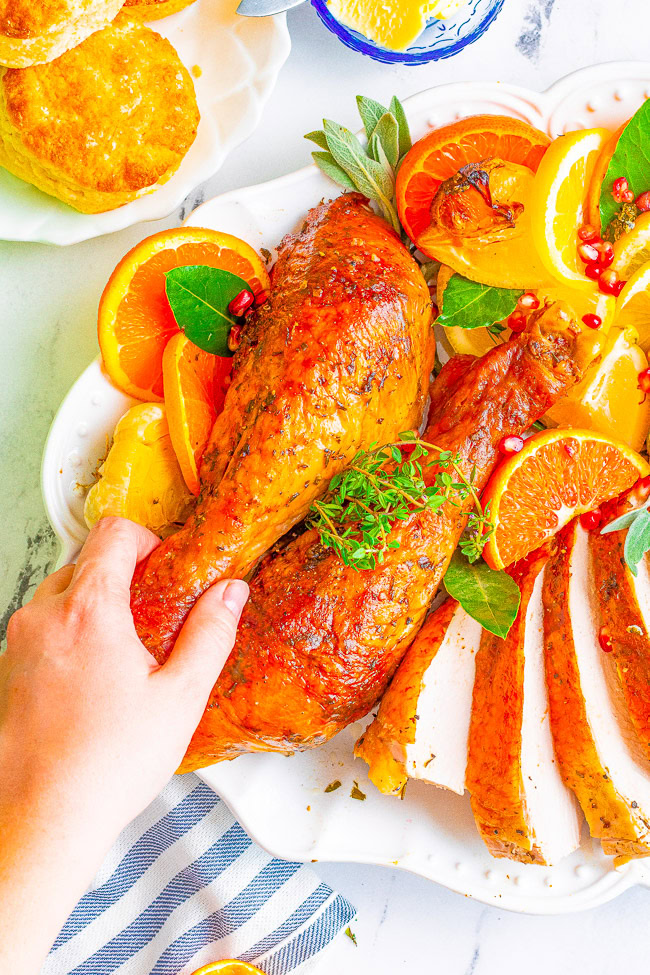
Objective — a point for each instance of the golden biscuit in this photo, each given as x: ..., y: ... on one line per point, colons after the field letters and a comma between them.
x: 35, y: 31
x: 154, y: 9
x: 104, y: 123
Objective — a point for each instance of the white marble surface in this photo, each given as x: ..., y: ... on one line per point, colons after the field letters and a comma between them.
x: 48, y: 300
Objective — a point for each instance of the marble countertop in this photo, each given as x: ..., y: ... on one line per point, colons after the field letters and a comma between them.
x: 48, y: 306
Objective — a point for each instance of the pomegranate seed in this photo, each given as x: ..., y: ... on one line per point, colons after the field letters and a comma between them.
x: 529, y: 301
x: 240, y: 303
x: 644, y: 383
x: 609, y: 283
x: 638, y: 493
x: 590, y: 520
x: 605, y: 640
x: 517, y: 322
x: 643, y: 201
x: 511, y: 444
x: 592, y: 321
x: 234, y: 338
x: 628, y: 196
x: 605, y: 253
x: 588, y: 253
x: 262, y: 297
x: 587, y: 233
x: 593, y: 271
x: 620, y: 187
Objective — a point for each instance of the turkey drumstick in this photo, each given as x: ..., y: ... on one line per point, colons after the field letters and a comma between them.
x: 339, y: 357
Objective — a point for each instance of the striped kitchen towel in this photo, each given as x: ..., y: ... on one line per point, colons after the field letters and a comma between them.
x: 185, y: 885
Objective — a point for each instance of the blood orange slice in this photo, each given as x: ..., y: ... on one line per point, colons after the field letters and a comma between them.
x: 559, y: 474
x: 441, y: 153
x: 135, y: 321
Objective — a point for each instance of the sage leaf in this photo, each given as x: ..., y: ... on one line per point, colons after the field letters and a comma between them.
x: 491, y: 598
x: 637, y: 540
x: 369, y: 176
x: 631, y: 159
x: 624, y: 521
x: 370, y: 112
x: 199, y: 297
x: 387, y: 133
x: 397, y: 109
x: 468, y: 304
x: 325, y: 162
x: 319, y: 137
x: 380, y: 155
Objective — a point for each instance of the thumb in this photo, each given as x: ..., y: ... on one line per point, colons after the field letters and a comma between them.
x: 208, y: 635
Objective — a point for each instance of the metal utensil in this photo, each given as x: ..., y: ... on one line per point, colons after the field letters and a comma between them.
x: 264, y: 8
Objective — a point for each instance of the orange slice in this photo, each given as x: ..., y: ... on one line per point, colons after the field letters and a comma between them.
x: 557, y: 475
x: 194, y: 385
x: 229, y: 966
x: 135, y: 321
x: 441, y: 153
x: 592, y: 207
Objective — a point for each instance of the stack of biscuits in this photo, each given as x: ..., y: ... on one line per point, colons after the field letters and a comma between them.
x: 96, y: 108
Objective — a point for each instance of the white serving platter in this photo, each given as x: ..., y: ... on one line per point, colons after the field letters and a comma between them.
x: 239, y: 59
x: 281, y: 800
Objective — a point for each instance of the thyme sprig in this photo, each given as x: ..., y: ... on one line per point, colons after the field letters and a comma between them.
x: 384, y: 485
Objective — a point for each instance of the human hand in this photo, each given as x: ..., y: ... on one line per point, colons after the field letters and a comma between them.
x: 91, y: 728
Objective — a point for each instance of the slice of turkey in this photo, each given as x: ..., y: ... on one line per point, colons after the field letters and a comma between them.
x: 522, y: 808
x: 600, y: 755
x: 439, y: 752
x: 624, y: 604
x: 422, y: 725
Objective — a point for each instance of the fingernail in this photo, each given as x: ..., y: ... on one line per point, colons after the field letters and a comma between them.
x: 235, y: 596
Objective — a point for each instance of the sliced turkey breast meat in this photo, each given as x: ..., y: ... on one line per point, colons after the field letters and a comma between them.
x: 600, y: 755
x: 422, y: 725
x: 522, y: 808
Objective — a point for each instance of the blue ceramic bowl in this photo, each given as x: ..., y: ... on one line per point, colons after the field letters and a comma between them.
x: 440, y: 38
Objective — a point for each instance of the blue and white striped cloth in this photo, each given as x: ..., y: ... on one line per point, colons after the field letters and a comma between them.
x: 185, y: 885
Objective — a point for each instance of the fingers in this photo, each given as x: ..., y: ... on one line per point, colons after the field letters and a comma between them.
x: 208, y: 635
x: 54, y: 584
x: 111, y: 552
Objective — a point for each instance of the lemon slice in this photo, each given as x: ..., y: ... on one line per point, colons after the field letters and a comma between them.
x: 391, y: 25
x: 634, y: 305
x: 140, y: 478
x: 558, y: 202
x: 608, y: 399
x: 632, y: 250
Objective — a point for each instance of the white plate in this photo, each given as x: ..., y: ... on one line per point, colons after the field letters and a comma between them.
x: 281, y: 801
x: 240, y: 59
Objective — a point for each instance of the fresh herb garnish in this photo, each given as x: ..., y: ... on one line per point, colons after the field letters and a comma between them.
x: 199, y: 297
x: 491, y: 598
x: 371, y: 169
x: 333, y: 786
x: 384, y: 485
x: 468, y: 304
x: 631, y: 159
x: 637, y: 540
x: 356, y: 793
x: 351, y: 935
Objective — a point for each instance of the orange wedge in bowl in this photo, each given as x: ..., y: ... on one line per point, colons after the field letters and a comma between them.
x: 559, y: 474
x: 229, y: 966
x: 194, y: 385
x: 135, y: 321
